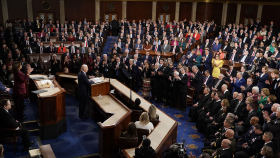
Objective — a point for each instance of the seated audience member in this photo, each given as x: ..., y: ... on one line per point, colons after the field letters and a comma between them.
x: 172, y: 152
x: 136, y: 106
x: 217, y: 84
x: 7, y: 121
x: 144, y: 122
x: 145, y: 151
x: 153, y: 113
x: 131, y: 131
x: 250, y: 132
x: 252, y: 146
x: 231, y: 72
x: 66, y: 70
x: 4, y: 89
x: 266, y: 152
x: 224, y: 151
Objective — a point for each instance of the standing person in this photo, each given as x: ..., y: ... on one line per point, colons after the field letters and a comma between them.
x: 83, y: 85
x: 55, y: 64
x: 183, y: 83
x: 217, y: 63
x: 19, y: 87
x: 197, y: 81
x: 146, y: 75
x: 115, y: 26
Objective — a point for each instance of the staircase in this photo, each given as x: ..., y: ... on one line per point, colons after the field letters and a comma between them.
x: 111, y: 40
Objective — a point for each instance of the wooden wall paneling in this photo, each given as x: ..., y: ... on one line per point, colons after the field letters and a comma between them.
x: 111, y: 7
x: 16, y: 9
x: 231, y: 13
x: 248, y: 11
x: 139, y: 10
x: 166, y: 7
x: 54, y: 8
x: 268, y: 15
x: 209, y: 11
x: 1, y: 15
x: 185, y: 11
x: 80, y: 9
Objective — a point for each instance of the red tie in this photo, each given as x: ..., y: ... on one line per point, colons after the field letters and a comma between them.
x: 86, y: 44
x: 231, y: 57
x: 253, y: 53
x: 239, y: 45
x: 205, y: 80
x: 156, y: 48
x: 190, y: 40
x: 227, y: 38
x: 157, y: 59
x: 73, y: 50
x: 123, y: 60
x: 146, y: 57
x: 230, y: 71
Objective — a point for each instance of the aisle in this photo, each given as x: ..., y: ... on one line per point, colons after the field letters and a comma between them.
x: 111, y: 40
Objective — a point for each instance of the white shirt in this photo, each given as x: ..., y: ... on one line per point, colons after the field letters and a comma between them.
x: 148, y: 126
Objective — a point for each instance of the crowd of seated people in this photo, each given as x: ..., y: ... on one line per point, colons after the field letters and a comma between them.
x: 232, y: 69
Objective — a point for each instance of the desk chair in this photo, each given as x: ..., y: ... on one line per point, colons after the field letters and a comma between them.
x: 126, y: 143
x: 154, y: 122
x: 140, y: 133
x: 190, y: 95
x: 8, y: 135
x: 135, y: 115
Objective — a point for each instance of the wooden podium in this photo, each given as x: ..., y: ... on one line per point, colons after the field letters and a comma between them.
x: 52, y: 111
x: 112, y: 117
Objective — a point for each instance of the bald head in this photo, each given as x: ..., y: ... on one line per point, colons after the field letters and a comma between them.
x: 84, y: 68
x: 254, y: 120
x: 229, y: 133
x: 226, y: 143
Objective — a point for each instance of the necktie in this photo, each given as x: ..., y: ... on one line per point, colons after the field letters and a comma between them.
x: 253, y: 53
x: 157, y: 59
x: 174, y: 49
x: 190, y: 40
x: 236, y: 107
x: 239, y: 45
x: 73, y: 50
x: 156, y: 48
x: 146, y: 57
x: 227, y: 38
x: 217, y: 84
x: 231, y: 57
x: 117, y: 72
x: 242, y: 60
x: 83, y: 50
x: 205, y: 80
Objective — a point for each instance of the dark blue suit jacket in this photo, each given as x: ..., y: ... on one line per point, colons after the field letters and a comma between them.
x: 209, y: 82
x: 236, y: 86
x: 83, y: 83
x: 207, y: 62
x: 3, y: 89
x: 154, y: 47
x: 247, y: 59
x: 190, y: 60
x: 150, y: 59
x: 261, y: 81
x: 216, y: 47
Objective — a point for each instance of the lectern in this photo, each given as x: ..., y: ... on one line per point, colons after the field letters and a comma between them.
x: 52, y: 111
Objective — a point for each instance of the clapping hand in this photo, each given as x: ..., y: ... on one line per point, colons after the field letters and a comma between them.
x: 257, y: 74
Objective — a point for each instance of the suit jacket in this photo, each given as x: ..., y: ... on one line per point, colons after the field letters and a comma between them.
x: 197, y: 81
x: 38, y: 50
x: 158, y: 48
x: 19, y: 82
x: 150, y: 59
x: 118, y: 50
x: 177, y: 49
x: 236, y: 86
x: 184, y: 83
x: 227, y: 95
x: 235, y: 58
x: 247, y: 89
x: 208, y: 62
x: 233, y: 72
x: 189, y: 61
x: 7, y: 121
x: 70, y: 49
x: 219, y: 86
x: 85, y: 50
x: 51, y: 51
x: 246, y: 60
x: 246, y: 121
x: 166, y: 48
x: 261, y: 80
x: 227, y: 153
x: 203, y: 100
x: 216, y: 47
x: 209, y: 82
x: 241, y: 111
x: 83, y: 83
x: 262, y: 62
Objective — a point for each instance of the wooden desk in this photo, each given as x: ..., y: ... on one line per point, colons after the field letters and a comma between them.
x: 153, y: 54
x: 52, y: 111
x: 66, y: 43
x: 67, y: 81
x: 114, y: 115
x: 164, y: 134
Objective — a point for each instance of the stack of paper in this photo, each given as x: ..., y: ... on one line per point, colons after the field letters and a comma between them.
x: 96, y: 80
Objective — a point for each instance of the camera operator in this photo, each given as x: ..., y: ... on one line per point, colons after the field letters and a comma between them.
x: 145, y: 151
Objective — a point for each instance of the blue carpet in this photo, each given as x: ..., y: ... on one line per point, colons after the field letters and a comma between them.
x: 81, y: 137
x: 111, y: 40
x: 186, y: 130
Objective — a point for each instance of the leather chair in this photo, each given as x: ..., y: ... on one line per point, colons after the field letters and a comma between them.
x: 135, y: 115
x: 141, y: 133
x: 190, y: 95
x: 8, y: 135
x: 126, y: 143
x: 30, y: 57
x: 154, y: 122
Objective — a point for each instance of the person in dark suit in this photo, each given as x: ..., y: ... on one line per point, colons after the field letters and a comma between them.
x: 262, y: 77
x: 72, y: 48
x: 217, y: 84
x: 37, y: 68
x: 230, y: 72
x: 145, y: 150
x: 115, y: 26
x: 233, y: 56
x: 190, y: 57
x: 148, y: 58
x: 183, y: 83
x: 224, y: 151
x: 117, y: 49
x: 51, y: 48
x: 156, y: 47
x: 237, y: 82
x: 207, y: 79
x: 19, y: 87
x: 247, y: 87
x: 83, y: 85
x: 194, y: 109
x: 226, y: 93
x: 41, y: 49
x: 196, y: 81
x: 245, y: 123
x: 164, y: 72
x: 7, y: 121
x: 245, y: 58
x: 55, y: 65
x: 239, y: 110
x: 261, y: 62
x: 207, y: 60
x: 118, y: 66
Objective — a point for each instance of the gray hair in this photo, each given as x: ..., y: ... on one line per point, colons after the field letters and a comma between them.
x: 177, y: 73
x: 222, y: 75
x: 256, y: 88
x: 195, y: 67
x: 208, y: 89
x: 104, y: 55
x: 135, y: 55
x: 231, y: 115
x: 278, y: 109
x: 225, y: 85
x: 157, y: 64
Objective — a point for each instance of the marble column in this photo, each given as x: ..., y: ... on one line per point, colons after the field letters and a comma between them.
x: 224, y: 13
x: 29, y: 9
x: 97, y: 10
x: 194, y: 7
x: 154, y: 11
x: 5, y: 11
x: 62, y: 11
x: 260, y: 8
x: 124, y: 4
x: 238, y: 14
x: 177, y: 10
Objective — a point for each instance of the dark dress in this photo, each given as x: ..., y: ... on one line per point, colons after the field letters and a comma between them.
x: 146, y: 86
x: 55, y: 67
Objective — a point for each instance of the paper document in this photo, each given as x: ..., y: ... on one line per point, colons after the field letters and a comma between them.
x: 97, y: 80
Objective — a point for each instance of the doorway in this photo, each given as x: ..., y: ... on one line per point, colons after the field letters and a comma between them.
x: 110, y: 16
x: 164, y: 17
x: 46, y: 17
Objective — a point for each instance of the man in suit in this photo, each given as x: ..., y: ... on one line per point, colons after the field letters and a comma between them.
x: 7, y: 121
x: 226, y: 93
x: 189, y: 41
x: 175, y: 50
x: 261, y: 62
x: 196, y: 81
x: 233, y: 56
x: 183, y: 83
x: 224, y: 151
x: 207, y: 60
x: 83, y: 85
x: 51, y: 48
x: 239, y: 110
x: 116, y: 48
x: 237, y: 82
x: 207, y: 79
x: 164, y: 72
x: 245, y: 58
x: 138, y: 46
x: 206, y: 44
x: 217, y: 85
x: 41, y: 49
x: 245, y: 123
x: 72, y: 48
x: 230, y: 72
x: 247, y: 87
x: 147, y: 57
x: 156, y: 47
x: 118, y: 66
x: 190, y: 57
x: 165, y: 47
x: 252, y: 146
